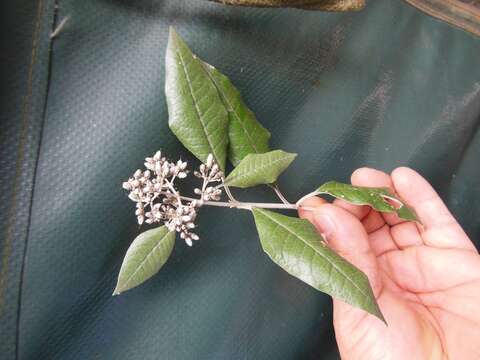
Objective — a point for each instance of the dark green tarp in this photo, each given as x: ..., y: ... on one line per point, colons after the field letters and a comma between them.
x: 384, y: 87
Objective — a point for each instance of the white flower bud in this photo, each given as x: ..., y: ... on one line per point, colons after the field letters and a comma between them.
x: 165, y: 169
x: 194, y: 236
x: 157, y: 155
x: 140, y: 219
x: 181, y: 165
x: 150, y: 166
x: 137, y: 174
x: 188, y: 241
x: 134, y: 197
x: 127, y: 186
x: 147, y: 188
x: 209, y: 162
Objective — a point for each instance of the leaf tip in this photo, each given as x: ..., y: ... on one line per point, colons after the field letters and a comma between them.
x: 171, y: 31
x: 378, y: 313
x: 117, y: 291
x: 173, y: 37
x: 381, y: 317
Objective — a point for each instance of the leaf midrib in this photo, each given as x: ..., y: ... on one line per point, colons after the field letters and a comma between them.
x: 197, y: 110
x: 146, y: 258
x: 377, y: 191
x: 315, y: 250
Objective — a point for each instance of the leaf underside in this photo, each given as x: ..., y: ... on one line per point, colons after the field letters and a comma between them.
x: 377, y: 198
x: 295, y: 245
x: 257, y: 169
x: 197, y: 114
x: 145, y: 256
x: 246, y: 134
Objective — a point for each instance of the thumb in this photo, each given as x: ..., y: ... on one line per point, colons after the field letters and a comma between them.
x: 345, y: 235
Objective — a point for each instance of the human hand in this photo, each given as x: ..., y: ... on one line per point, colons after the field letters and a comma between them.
x: 426, y: 278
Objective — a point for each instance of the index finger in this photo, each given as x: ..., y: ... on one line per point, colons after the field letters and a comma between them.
x: 441, y: 228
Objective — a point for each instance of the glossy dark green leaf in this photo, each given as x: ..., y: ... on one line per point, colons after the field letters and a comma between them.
x: 145, y: 256
x: 257, y: 169
x: 377, y: 198
x: 295, y: 245
x: 197, y: 114
x: 246, y: 134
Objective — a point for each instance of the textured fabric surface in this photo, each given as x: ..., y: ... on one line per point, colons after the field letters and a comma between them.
x: 384, y: 87
x: 25, y: 26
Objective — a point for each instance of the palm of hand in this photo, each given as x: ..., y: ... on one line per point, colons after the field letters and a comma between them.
x: 426, y: 279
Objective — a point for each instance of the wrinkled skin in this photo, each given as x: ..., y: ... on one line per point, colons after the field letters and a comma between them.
x: 426, y: 278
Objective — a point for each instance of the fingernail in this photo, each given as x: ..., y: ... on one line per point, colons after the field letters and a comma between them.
x: 325, y: 223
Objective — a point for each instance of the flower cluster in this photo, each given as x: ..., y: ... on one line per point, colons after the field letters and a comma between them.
x: 209, y: 172
x: 157, y: 199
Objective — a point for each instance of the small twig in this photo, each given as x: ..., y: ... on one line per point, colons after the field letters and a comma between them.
x: 276, y: 188
x: 228, y: 192
x: 175, y: 192
x: 60, y: 27
x: 251, y: 205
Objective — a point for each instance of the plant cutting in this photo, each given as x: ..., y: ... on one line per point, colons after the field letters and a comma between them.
x: 209, y: 117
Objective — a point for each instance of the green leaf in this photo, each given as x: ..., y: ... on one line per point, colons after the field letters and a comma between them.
x: 197, y: 115
x: 374, y: 197
x: 246, y: 134
x: 144, y: 258
x: 295, y: 245
x: 257, y: 169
